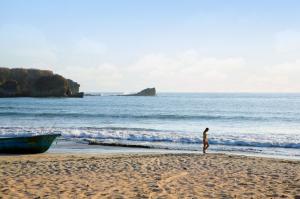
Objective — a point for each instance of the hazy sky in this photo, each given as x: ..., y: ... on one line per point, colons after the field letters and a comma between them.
x: 184, y: 45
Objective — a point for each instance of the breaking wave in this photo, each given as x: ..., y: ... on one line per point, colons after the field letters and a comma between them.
x: 154, y: 135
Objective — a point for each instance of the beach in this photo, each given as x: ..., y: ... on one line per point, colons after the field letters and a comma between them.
x: 147, y: 176
x: 149, y: 99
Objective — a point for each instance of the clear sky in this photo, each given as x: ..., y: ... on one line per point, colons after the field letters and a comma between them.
x: 174, y: 45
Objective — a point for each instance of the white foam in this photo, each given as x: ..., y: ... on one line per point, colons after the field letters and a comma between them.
x: 152, y: 135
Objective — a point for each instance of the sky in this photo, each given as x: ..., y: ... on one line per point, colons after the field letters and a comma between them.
x: 173, y: 45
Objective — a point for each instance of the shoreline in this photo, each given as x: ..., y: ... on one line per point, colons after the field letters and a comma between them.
x: 70, y: 147
x: 53, y: 175
x: 140, y: 154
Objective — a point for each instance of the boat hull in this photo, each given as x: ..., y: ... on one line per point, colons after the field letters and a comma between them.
x: 27, y: 145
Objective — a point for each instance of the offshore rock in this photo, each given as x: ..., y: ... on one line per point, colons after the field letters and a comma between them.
x: 145, y: 92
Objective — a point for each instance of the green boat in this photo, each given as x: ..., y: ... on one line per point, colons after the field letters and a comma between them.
x: 27, y: 145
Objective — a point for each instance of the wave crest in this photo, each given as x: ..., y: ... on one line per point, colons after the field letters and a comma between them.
x: 149, y: 116
x: 154, y: 135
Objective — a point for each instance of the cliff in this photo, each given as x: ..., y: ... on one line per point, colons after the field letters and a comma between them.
x: 19, y: 82
x: 145, y: 92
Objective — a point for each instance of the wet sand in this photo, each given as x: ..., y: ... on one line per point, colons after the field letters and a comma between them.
x: 147, y: 176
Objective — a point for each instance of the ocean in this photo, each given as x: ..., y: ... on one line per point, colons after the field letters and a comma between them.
x: 247, y: 123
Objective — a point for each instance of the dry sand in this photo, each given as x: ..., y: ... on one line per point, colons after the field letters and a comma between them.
x: 147, y: 176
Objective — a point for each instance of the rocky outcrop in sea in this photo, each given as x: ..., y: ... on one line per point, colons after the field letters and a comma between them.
x: 145, y: 92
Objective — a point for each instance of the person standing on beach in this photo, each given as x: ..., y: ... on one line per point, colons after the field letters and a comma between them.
x: 205, y: 140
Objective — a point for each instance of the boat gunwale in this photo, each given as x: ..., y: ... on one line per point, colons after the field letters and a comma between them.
x: 29, y: 136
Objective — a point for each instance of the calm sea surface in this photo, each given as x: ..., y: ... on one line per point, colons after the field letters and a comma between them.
x: 250, y: 123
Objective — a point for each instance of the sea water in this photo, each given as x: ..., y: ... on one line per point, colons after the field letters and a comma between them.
x: 239, y: 122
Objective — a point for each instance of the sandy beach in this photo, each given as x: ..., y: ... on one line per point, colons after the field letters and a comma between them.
x: 147, y: 176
